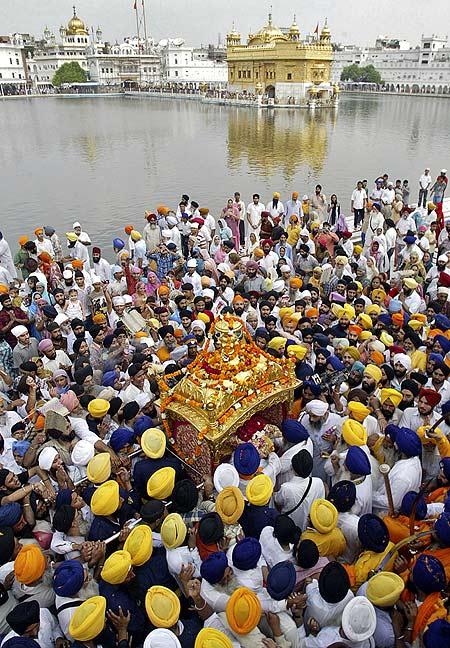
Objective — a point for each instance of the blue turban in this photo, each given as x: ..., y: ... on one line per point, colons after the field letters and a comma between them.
x: 21, y: 642
x: 109, y: 378
x: 385, y: 319
x: 445, y: 467
x: 437, y: 635
x: 121, y: 438
x: 10, y: 514
x: 246, y: 553
x: 408, y: 503
x: 313, y: 386
x: 357, y: 461
x: 443, y: 342
x: 321, y: 339
x: 281, y: 580
x: 428, y: 574
x: 336, y: 363
x: 442, y: 528
x: 68, y: 578
x: 358, y: 366
x: 20, y: 447
x: 141, y: 424
x: 441, y: 322
x: 119, y: 245
x: 373, y: 533
x: 323, y: 352
x: 410, y: 240
x: 293, y: 431
x: 436, y: 357
x: 445, y: 408
x: 408, y: 442
x: 213, y: 567
x: 246, y: 459
x: 391, y: 431
x: 262, y: 333
x: 64, y: 498
x: 343, y: 495
x: 395, y: 306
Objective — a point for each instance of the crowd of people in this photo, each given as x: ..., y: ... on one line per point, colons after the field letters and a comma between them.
x: 298, y: 539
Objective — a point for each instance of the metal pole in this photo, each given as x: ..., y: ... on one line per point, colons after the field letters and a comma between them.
x: 145, y: 26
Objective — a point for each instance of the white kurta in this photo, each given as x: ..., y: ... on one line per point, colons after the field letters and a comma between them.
x: 291, y: 493
x: 406, y: 475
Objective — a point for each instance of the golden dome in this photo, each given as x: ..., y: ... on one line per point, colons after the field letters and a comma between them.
x: 325, y: 33
x: 268, y: 34
x: 75, y: 26
x: 294, y: 27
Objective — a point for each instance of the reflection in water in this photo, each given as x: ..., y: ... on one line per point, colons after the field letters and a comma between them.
x: 282, y: 141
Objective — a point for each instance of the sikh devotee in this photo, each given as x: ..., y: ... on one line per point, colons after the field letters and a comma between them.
x: 228, y: 432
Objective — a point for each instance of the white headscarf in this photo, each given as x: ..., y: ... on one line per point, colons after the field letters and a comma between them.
x: 161, y: 638
x: 317, y: 407
x: 359, y: 619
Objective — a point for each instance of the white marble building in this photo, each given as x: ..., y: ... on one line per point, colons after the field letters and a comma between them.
x: 12, y: 62
x: 183, y: 64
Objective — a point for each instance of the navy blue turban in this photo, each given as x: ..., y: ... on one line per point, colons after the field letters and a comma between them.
x: 428, y: 574
x: 408, y: 503
x: 444, y: 342
x: 246, y: 459
x: 213, y: 567
x: 121, y: 438
x: 21, y: 642
x: 343, y: 495
x: 109, y: 378
x: 246, y: 554
x: 441, y: 322
x: 445, y: 467
x: 281, y: 580
x: 442, y: 528
x: 357, y: 461
x: 373, y: 533
x: 141, y: 424
x: 68, y: 578
x: 336, y: 363
x: 10, y: 514
x: 408, y: 442
x: 293, y: 431
x: 437, y: 635
x: 64, y: 498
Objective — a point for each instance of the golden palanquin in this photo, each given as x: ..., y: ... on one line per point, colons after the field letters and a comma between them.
x: 227, y: 384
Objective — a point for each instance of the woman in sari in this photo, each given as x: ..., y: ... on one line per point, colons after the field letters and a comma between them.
x: 232, y: 218
x: 153, y: 283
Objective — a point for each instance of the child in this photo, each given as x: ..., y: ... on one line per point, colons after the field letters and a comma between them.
x: 73, y: 308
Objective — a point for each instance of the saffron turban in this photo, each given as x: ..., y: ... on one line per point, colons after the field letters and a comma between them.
x: 99, y: 468
x: 243, y: 611
x: 373, y: 533
x: 68, y: 578
x: 116, y: 567
x: 432, y: 397
x: 153, y: 443
x: 334, y: 583
x: 211, y: 638
x: 317, y: 407
x: 230, y: 504
x: 173, y: 531
x: 225, y: 475
x: 213, y: 567
x: 259, y: 490
x: 428, y: 574
x: 398, y: 319
x: 246, y: 553
x: 324, y: 515
x: 343, y: 495
x: 373, y: 372
x: 353, y: 433
x: 408, y: 442
x: 160, y: 484
x: 88, y: 619
x: 246, y: 459
x: 384, y: 589
x: 393, y: 395
x: 139, y: 544
x: 281, y: 580
x: 293, y: 431
x: 105, y: 500
x: 162, y: 606
x: 359, y: 619
x: 357, y: 461
x: 358, y: 411
x: 30, y: 564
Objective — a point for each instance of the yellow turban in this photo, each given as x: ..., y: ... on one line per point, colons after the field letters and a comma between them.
x: 286, y: 310
x: 212, y: 638
x: 415, y: 324
x: 139, y: 544
x: 387, y: 339
x: 230, y: 504
x: 364, y: 335
x: 277, y: 343
x: 357, y: 249
x: 135, y: 235
x: 243, y: 611
x: 354, y: 433
x: 162, y: 606
x: 98, y: 407
x: 276, y: 194
x: 374, y: 372
x: 393, y: 395
x: 353, y: 352
x: 373, y: 309
x: 105, y: 500
x: 358, y: 411
x: 324, y: 515
x: 30, y: 564
x: 259, y: 490
x: 384, y: 589
x: 378, y: 293
x: 116, y: 567
x: 88, y: 619
x: 173, y: 531
x: 153, y: 443
x: 160, y: 484
x: 99, y: 468
x: 328, y: 544
x: 365, y: 321
x: 297, y: 351
x: 346, y: 311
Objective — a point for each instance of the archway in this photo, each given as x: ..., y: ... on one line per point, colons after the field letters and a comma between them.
x: 415, y: 89
x: 440, y: 89
x: 397, y: 88
x: 445, y: 89
x: 407, y: 88
x: 270, y: 92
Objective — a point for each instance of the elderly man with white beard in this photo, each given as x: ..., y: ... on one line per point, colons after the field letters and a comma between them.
x: 324, y: 428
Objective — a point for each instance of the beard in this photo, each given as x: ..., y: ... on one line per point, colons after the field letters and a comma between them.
x: 400, y: 373
x: 405, y: 404
x: 387, y: 415
x: 316, y: 425
x: 369, y: 389
x: 354, y: 381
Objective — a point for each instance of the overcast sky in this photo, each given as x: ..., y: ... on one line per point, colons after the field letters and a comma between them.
x: 200, y: 21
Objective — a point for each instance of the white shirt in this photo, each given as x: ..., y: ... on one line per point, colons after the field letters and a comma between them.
x: 425, y: 181
x: 44, y: 246
x: 405, y: 475
x: 140, y: 252
x: 61, y: 359
x: 272, y: 551
x: 291, y: 493
x: 387, y: 196
x: 8, y: 419
x: 277, y: 210
x: 254, y: 216
x: 195, y: 280
x: 326, y: 614
x: 102, y: 269
x: 287, y: 472
x: 358, y: 198
x: 348, y: 524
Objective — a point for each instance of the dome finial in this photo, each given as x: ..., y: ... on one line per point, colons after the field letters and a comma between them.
x: 270, y: 16
x: 74, y: 11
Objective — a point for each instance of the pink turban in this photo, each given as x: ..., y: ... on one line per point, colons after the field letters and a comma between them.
x: 69, y: 400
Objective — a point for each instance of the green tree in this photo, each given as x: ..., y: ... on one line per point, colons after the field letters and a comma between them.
x: 69, y: 73
x: 367, y: 74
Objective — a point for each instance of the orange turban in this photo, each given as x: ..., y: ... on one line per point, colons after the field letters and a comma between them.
x: 164, y: 290
x: 129, y: 229
x: 23, y: 240
x: 30, y: 564
x: 3, y: 289
x: 377, y: 357
x: 243, y: 611
x: 38, y: 231
x: 45, y: 257
x: 397, y: 319
x: 77, y: 264
x: 295, y: 282
x: 258, y: 254
x: 312, y: 312
x: 353, y: 328
x: 162, y: 210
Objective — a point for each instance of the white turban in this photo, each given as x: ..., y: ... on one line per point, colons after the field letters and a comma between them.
x: 317, y: 407
x: 47, y: 457
x: 161, y: 638
x: 19, y: 330
x: 166, y: 234
x: 225, y: 475
x: 376, y: 345
x: 198, y: 324
x: 285, y: 268
x: 171, y: 220
x: 207, y: 292
x: 403, y: 359
x: 82, y: 453
x: 359, y: 619
x: 118, y: 301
